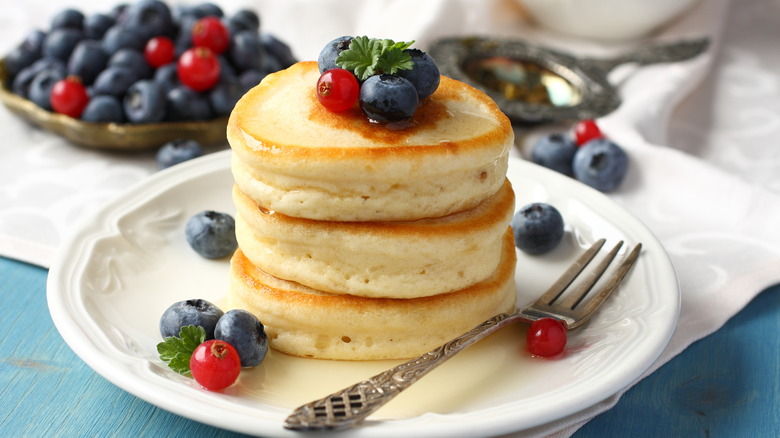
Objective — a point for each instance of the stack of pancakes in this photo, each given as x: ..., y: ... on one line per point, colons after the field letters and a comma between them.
x: 364, y: 241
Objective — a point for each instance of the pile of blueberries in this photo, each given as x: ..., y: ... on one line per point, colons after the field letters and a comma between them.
x: 239, y: 328
x: 106, y: 53
x: 587, y: 155
x: 388, y: 97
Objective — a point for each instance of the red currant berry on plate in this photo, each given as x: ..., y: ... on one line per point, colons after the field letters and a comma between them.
x: 69, y: 96
x: 198, y: 68
x: 338, y: 89
x: 585, y: 131
x: 159, y: 51
x: 546, y: 337
x: 215, y: 364
x: 210, y: 32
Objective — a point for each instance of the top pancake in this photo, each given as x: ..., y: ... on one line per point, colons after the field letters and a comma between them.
x: 293, y: 156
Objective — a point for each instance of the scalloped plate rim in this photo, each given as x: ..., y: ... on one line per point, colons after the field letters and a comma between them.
x: 71, y: 315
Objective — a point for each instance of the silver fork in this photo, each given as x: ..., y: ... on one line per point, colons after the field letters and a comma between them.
x: 349, y: 406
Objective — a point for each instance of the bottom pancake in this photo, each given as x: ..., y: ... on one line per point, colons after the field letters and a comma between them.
x: 305, y: 322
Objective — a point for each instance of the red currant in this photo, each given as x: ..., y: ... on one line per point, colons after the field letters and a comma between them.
x: 546, y: 337
x: 198, y: 68
x: 69, y: 96
x: 338, y: 89
x: 215, y: 364
x: 159, y: 51
x: 585, y: 131
x: 210, y: 32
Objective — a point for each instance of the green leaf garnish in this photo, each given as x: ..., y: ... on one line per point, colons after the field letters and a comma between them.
x: 177, y: 351
x: 366, y: 57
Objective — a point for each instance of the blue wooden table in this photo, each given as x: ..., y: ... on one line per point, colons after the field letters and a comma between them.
x: 726, y: 385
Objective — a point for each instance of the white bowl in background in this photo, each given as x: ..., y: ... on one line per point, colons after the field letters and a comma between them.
x: 605, y: 19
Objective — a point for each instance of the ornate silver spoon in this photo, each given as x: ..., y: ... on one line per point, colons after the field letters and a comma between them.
x: 533, y: 84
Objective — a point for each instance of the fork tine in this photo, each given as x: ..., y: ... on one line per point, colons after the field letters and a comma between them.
x: 574, y: 270
x: 585, y: 312
x: 591, y: 278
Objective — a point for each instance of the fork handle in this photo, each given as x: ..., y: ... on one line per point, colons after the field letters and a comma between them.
x: 342, y: 409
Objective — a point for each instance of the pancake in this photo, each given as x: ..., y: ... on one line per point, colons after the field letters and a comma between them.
x: 305, y: 322
x: 293, y: 156
x: 377, y: 259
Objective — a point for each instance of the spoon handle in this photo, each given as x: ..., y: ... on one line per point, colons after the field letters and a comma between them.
x: 651, y: 54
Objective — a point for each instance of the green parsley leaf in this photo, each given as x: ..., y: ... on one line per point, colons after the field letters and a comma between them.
x: 177, y: 350
x: 393, y: 60
x: 361, y: 57
x: 366, y: 57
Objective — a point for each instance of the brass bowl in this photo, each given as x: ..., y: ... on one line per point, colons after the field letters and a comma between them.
x: 111, y: 136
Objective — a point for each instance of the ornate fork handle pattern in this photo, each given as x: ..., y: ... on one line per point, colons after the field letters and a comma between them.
x: 342, y: 409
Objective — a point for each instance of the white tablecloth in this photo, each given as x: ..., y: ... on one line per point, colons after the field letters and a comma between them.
x: 702, y: 137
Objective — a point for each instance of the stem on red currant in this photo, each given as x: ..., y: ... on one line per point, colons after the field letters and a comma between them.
x: 324, y: 89
x: 219, y: 350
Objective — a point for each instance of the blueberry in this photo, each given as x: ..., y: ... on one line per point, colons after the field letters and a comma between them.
x: 132, y: 59
x: 600, y: 164
x: 183, y: 40
x: 178, y: 151
x: 114, y: 81
x: 59, y: 43
x: 270, y: 63
x: 327, y: 58
x: 185, y: 104
x: 195, y: 312
x: 87, y: 61
x: 226, y: 68
x: 103, y: 109
x: 117, y: 12
x: 388, y: 98
x: 537, y: 227
x: 68, y: 17
x: 150, y: 18
x: 144, y: 102
x: 207, y: 9
x: 250, y: 78
x: 179, y: 12
x: 244, y: 19
x: 167, y: 77
x: 424, y: 75
x: 41, y: 85
x: 555, y: 151
x: 18, y: 59
x: 33, y: 42
x: 212, y: 234
x: 278, y: 49
x: 246, y: 52
x: 224, y: 95
x: 120, y: 37
x: 96, y: 25
x: 245, y: 333
x: 22, y: 81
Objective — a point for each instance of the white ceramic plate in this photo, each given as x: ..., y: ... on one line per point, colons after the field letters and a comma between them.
x: 124, y: 266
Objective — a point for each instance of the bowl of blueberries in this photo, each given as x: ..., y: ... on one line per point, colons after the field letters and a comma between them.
x: 139, y: 75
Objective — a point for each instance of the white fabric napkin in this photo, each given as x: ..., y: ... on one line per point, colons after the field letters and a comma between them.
x: 717, y: 219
